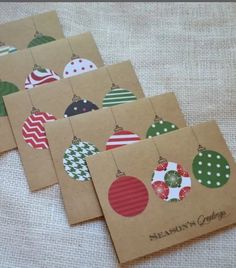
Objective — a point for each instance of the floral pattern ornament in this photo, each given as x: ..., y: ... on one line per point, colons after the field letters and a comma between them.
x: 170, y: 181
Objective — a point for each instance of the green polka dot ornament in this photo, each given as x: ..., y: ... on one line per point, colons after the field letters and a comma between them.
x: 159, y: 127
x: 40, y: 39
x: 210, y: 168
x: 5, y: 89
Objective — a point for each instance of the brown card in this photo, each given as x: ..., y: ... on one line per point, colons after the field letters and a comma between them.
x: 28, y: 32
x: 96, y: 131
x: 55, y: 99
x: 54, y: 61
x: 157, y: 203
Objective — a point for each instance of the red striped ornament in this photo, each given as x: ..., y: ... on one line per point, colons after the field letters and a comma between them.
x: 40, y: 76
x: 128, y: 196
x: 120, y: 138
x: 33, y: 130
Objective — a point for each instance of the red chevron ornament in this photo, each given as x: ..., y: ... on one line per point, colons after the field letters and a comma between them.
x: 33, y: 130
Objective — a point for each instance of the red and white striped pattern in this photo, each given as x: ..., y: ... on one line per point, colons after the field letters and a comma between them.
x: 33, y: 129
x: 120, y: 138
x: 38, y: 77
x: 128, y: 196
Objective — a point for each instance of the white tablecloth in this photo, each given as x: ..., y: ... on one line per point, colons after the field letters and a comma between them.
x: 188, y: 48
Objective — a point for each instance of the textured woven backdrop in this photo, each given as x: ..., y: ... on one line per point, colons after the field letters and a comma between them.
x: 186, y: 48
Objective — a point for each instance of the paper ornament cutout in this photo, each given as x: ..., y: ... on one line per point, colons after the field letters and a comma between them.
x: 74, y: 159
x: 170, y: 181
x: 117, y: 96
x: 5, y: 89
x: 128, y: 196
x: 40, y: 39
x: 78, y: 66
x: 40, y: 76
x: 210, y: 168
x: 159, y: 127
x: 121, y: 137
x: 5, y: 49
x: 33, y: 130
x: 79, y: 106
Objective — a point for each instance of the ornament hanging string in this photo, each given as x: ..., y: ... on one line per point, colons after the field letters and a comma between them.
x: 35, y: 27
x: 33, y: 110
x: 119, y: 172
x: 200, y: 147
x: 74, y: 139
x: 113, y: 85
x: 75, y: 96
x: 117, y: 127
x: 36, y: 66
x: 156, y: 117
x: 74, y: 56
x: 160, y: 158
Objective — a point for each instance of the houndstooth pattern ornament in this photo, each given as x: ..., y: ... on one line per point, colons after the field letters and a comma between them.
x: 74, y: 160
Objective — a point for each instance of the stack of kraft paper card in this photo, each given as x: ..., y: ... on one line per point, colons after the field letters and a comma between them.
x: 114, y: 152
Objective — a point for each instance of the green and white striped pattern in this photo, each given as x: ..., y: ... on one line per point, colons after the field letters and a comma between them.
x: 118, y: 96
x: 4, y: 50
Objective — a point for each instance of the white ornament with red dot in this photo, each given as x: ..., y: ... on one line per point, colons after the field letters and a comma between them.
x: 78, y: 66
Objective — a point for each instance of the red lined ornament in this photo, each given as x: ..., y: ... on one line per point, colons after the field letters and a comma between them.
x: 40, y: 76
x: 33, y: 130
x: 121, y: 137
x: 128, y: 196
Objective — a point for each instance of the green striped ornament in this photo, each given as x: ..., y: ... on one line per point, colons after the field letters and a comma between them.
x: 5, y: 49
x: 117, y: 96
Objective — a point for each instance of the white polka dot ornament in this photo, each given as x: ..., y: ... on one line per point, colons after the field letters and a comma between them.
x: 170, y: 181
x: 78, y: 66
x: 159, y: 127
x: 210, y: 168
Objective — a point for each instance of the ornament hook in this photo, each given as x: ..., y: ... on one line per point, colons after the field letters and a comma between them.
x: 74, y: 56
x: 119, y: 173
x: 76, y: 140
x: 114, y: 86
x: 34, y: 110
x: 201, y: 148
x: 157, y: 118
x: 118, y: 128
x: 162, y: 160
x: 75, y: 98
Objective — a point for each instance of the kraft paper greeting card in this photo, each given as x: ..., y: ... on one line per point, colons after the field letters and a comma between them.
x: 72, y: 139
x: 29, y: 32
x: 43, y: 64
x: 28, y: 110
x: 165, y: 190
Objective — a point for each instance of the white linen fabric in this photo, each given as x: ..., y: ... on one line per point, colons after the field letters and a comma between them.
x: 188, y: 48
